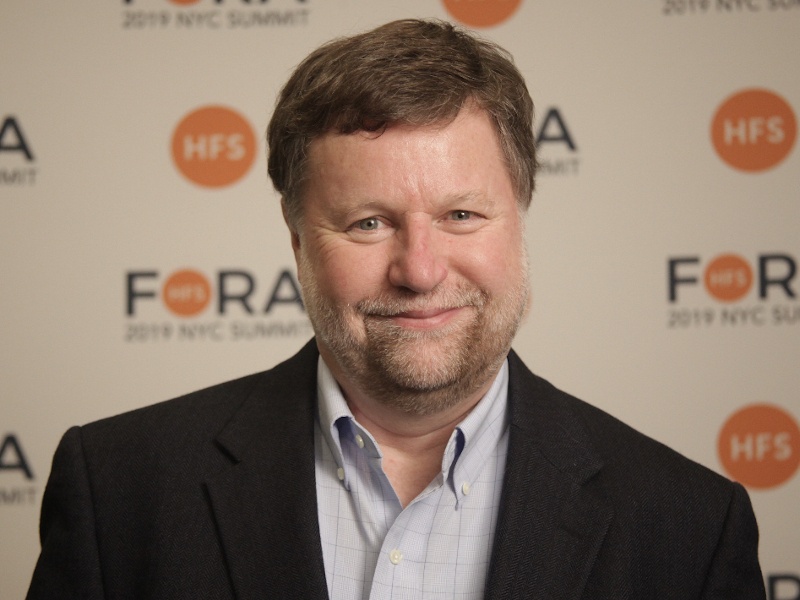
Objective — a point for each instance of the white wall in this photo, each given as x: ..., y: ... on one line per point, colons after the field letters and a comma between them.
x: 97, y: 89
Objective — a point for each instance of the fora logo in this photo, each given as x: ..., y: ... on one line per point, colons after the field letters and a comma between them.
x: 13, y: 141
x: 232, y: 306
x: 783, y: 586
x: 188, y: 292
x: 213, y: 14
x: 215, y: 2
x: 558, y: 153
x: 18, y: 166
x: 729, y: 277
x: 554, y: 130
x: 18, y: 487
x: 12, y: 458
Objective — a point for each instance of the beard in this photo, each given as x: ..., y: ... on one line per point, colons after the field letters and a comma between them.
x: 419, y: 372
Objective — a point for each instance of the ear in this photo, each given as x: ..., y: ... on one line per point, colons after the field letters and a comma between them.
x: 292, y: 228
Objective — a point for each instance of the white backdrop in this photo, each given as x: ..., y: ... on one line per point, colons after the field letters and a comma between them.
x: 96, y: 215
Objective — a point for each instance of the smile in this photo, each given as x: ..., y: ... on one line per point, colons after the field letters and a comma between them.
x: 425, y: 319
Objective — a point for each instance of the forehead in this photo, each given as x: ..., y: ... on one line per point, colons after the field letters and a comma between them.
x: 431, y: 168
x: 469, y: 142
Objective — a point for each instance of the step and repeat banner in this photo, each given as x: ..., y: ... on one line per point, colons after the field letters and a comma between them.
x: 144, y: 254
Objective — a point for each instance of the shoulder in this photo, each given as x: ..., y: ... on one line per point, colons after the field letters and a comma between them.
x: 634, y: 465
x: 200, y: 411
x: 667, y: 514
x: 199, y: 416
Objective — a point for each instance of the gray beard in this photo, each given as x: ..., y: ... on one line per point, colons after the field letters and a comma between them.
x: 419, y: 372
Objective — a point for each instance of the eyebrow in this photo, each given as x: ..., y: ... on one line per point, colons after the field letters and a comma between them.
x: 350, y: 209
x: 475, y: 198
x: 346, y: 210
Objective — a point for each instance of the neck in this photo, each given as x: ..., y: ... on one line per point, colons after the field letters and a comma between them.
x: 412, y: 445
x: 393, y: 423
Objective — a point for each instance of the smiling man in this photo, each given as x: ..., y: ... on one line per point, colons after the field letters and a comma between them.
x: 406, y: 452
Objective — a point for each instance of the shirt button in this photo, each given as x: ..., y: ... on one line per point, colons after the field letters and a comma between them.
x: 395, y: 556
x: 465, y: 488
x: 359, y: 441
x: 340, y: 473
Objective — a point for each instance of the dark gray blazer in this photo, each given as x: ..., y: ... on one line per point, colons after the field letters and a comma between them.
x: 212, y: 495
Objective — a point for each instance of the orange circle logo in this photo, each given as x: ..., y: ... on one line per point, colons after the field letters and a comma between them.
x: 728, y: 277
x: 754, y: 130
x: 759, y: 446
x: 481, y: 13
x: 214, y: 146
x: 182, y: 2
x: 186, y: 293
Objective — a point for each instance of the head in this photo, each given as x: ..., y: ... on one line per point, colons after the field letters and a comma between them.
x: 408, y: 72
x: 405, y: 161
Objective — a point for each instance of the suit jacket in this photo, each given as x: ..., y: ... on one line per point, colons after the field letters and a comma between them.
x: 212, y: 495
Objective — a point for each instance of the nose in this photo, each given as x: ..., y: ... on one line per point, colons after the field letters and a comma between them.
x: 418, y: 263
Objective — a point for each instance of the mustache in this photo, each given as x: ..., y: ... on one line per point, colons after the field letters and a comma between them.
x: 392, y: 304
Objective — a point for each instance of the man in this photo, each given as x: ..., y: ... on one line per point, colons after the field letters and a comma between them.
x: 406, y: 452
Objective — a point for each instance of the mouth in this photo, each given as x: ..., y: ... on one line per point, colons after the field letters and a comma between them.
x: 434, y: 313
x: 424, y: 319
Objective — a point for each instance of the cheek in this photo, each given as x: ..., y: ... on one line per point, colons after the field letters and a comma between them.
x: 347, y: 273
x: 493, y: 263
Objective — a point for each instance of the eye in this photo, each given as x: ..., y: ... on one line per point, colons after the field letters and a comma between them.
x: 462, y: 221
x: 368, y: 224
x: 369, y: 230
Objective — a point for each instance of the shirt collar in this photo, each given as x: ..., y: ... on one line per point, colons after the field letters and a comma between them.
x: 476, y: 437
x: 332, y: 407
x: 471, y: 443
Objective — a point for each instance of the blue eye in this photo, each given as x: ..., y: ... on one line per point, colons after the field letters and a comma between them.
x: 461, y: 215
x: 369, y: 224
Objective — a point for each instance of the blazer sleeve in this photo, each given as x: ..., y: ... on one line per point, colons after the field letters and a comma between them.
x: 69, y: 565
x: 735, y: 573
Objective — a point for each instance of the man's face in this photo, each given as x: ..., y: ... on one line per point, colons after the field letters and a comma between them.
x: 411, y: 256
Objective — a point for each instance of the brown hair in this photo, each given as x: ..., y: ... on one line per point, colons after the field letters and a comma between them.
x: 411, y: 71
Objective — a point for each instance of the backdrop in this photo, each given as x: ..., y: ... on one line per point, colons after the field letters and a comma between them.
x: 144, y: 254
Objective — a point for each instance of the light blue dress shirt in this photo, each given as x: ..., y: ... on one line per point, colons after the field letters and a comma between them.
x: 440, y: 545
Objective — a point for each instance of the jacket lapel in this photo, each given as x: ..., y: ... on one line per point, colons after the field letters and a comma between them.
x: 264, y: 500
x: 552, y: 517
